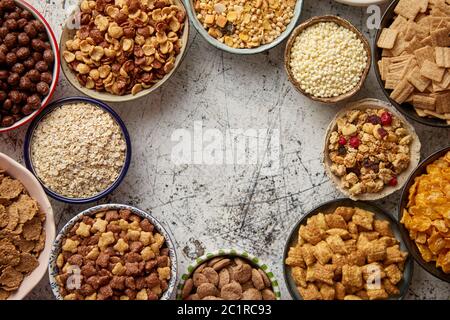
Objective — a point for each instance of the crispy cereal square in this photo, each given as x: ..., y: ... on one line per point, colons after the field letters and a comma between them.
x: 383, y: 227
x: 390, y: 287
x: 310, y: 292
x: 327, y: 292
x: 322, y: 252
x: 394, y: 255
x: 377, y: 294
x: 336, y: 244
x: 322, y: 273
x: 343, y: 234
x: 393, y: 273
x: 352, y: 276
x: 408, y: 8
x: 376, y: 251
x: 311, y: 234
x: 363, y: 218
x: 299, y: 276
x: 339, y: 290
x: 295, y: 257
x: 335, y: 221
x: 345, y: 212
x: 307, y: 253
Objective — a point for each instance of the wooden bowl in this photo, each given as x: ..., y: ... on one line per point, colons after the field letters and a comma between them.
x: 341, y: 22
x: 402, y: 178
x: 68, y: 33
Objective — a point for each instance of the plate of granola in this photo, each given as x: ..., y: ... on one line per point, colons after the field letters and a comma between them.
x: 347, y: 250
x: 370, y: 150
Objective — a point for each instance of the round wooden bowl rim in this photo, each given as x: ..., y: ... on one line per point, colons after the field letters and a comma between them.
x: 341, y: 22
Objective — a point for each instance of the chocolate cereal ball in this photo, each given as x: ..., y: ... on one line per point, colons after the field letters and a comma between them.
x: 2, y: 58
x: 29, y: 63
x: 25, y: 83
x: 11, y: 59
x: 38, y: 45
x: 13, y: 79
x: 47, y: 77
x: 23, y: 53
x: 23, y: 39
x: 34, y: 101
x: 18, y: 68
x: 41, y: 66
x: 30, y: 30
x: 10, y: 40
x: 48, y: 56
x: 42, y: 88
x: 15, y: 96
x: 34, y: 75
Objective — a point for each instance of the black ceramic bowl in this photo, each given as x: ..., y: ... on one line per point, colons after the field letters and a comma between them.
x: 405, y: 108
x: 421, y: 169
x: 329, y: 207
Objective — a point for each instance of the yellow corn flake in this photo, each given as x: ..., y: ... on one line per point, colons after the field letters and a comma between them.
x: 427, y: 215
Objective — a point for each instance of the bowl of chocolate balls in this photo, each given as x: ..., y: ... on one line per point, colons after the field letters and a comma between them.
x: 29, y: 63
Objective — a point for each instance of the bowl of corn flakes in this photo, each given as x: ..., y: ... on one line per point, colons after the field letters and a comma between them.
x: 27, y: 230
x: 347, y: 250
x: 424, y: 213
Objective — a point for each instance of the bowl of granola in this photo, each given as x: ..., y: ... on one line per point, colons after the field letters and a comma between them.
x: 228, y: 274
x: 122, y: 51
x: 112, y: 252
x: 347, y: 250
x: 244, y: 27
x: 370, y: 149
x: 27, y: 230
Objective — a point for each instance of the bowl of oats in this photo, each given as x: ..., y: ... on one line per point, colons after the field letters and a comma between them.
x: 113, y: 252
x: 27, y: 230
x: 79, y: 149
x: 347, y: 250
x: 244, y: 27
x: 412, y: 59
x: 370, y: 149
x: 125, y: 50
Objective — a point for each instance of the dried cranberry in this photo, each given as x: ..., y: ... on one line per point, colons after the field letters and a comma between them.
x: 382, y: 132
x: 374, y: 120
x: 386, y: 119
x: 393, y: 182
x: 342, y: 141
x: 367, y: 163
x: 355, y: 142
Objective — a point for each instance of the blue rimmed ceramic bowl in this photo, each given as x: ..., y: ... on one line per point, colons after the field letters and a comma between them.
x: 219, y: 45
x: 251, y: 259
x: 56, y: 249
x: 329, y: 207
x: 29, y: 137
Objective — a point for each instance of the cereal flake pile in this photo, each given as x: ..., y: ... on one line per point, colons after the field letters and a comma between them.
x: 125, y: 46
x: 117, y: 255
x: 245, y: 24
x: 346, y: 255
x: 78, y: 150
x: 22, y: 235
x: 427, y: 216
x: 368, y: 150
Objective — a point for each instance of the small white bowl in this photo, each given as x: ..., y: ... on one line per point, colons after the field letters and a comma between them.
x: 34, y: 188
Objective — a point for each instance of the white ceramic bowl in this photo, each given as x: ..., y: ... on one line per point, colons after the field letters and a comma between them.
x: 56, y: 250
x: 56, y: 66
x: 36, y: 191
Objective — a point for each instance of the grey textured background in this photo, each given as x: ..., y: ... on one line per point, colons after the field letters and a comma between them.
x: 211, y: 207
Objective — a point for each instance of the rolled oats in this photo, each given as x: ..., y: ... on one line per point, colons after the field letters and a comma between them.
x: 107, y: 52
x: 78, y: 150
x: 368, y: 150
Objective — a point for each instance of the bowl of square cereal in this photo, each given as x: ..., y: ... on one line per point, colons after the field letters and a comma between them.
x: 412, y: 59
x: 347, y: 250
x: 79, y: 149
x: 27, y: 230
x: 244, y: 27
x: 228, y: 274
x: 424, y: 213
x: 370, y: 150
x: 123, y: 50
x: 113, y: 252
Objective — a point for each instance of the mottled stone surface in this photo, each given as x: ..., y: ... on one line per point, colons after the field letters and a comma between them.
x: 209, y: 207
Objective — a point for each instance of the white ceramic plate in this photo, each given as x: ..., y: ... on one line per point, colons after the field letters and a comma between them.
x: 361, y: 3
x: 35, y: 190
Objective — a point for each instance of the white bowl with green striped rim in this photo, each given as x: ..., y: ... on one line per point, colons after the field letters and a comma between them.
x: 254, y: 261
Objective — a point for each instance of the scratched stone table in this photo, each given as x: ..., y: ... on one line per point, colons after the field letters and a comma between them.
x: 207, y: 207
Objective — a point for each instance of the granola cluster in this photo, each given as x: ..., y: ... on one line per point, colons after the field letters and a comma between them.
x: 113, y: 255
x: 368, y: 150
x: 346, y: 255
x: 22, y: 234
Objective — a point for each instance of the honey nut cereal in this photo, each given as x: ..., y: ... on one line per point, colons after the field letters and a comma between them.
x: 78, y: 150
x: 227, y: 278
x: 368, y: 150
x: 245, y: 24
x: 427, y: 214
x: 415, y: 63
x: 125, y: 46
x: 117, y: 256
x: 346, y: 255
x: 22, y: 234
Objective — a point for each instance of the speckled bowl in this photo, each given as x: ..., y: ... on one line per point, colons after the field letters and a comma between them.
x: 329, y: 207
x: 56, y: 66
x: 56, y: 249
x: 256, y: 262
x: 34, y: 188
x: 29, y: 137
x: 219, y: 45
